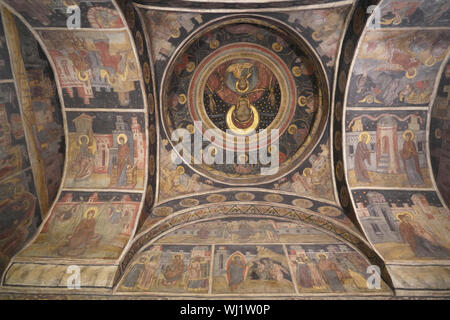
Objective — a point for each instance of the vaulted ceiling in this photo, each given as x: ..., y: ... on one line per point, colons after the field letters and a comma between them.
x: 100, y: 102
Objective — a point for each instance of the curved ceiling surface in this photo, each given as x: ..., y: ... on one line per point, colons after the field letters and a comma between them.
x: 248, y: 89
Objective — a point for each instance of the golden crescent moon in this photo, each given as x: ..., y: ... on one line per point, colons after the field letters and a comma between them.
x: 240, y: 131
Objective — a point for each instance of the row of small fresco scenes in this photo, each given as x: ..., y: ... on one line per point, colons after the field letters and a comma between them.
x: 386, y: 144
x: 247, y: 256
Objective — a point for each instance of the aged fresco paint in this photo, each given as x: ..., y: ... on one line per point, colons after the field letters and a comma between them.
x: 440, y: 135
x: 165, y: 26
x: 245, y: 260
x: 322, y: 28
x: 95, y: 69
x: 432, y: 13
x: 420, y: 277
x: 247, y: 79
x: 249, y: 269
x: 14, y: 154
x: 168, y: 268
x: 405, y: 225
x: 107, y: 150
x: 313, y: 178
x: 87, y: 225
x: 397, y: 68
x: 96, y: 14
x: 239, y: 230
x: 387, y: 149
x: 386, y: 142
x: 333, y: 267
x: 20, y: 214
x: 40, y: 109
x: 175, y: 179
x: 5, y: 66
x: 51, y: 276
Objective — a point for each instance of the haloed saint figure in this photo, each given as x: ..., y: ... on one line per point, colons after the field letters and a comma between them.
x: 243, y: 96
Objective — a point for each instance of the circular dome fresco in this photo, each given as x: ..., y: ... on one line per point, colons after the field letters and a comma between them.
x: 256, y: 96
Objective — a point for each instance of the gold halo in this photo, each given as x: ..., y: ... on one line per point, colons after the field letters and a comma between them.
x: 180, y: 170
x: 182, y: 98
x: 269, y: 149
x: 316, y: 36
x: 321, y: 254
x: 307, y: 172
x: 302, y: 101
x: 212, y: 151
x: 365, y: 134
x: 176, y: 33
x: 408, y: 131
x: 83, y: 136
x: 243, y: 158
x: 404, y: 213
x: 237, y: 130
x: 190, y: 66
x: 213, y: 44
x: 297, y: 71
x: 247, y: 85
x: 91, y: 209
x: 190, y: 128
x: 122, y: 135
x: 411, y: 76
x: 277, y: 47
x: 438, y: 133
x: 292, y: 129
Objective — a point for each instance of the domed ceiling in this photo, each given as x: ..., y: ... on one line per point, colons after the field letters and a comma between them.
x: 232, y: 86
x: 206, y: 142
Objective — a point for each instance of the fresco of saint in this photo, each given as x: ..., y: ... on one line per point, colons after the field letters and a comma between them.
x: 83, y: 236
x: 420, y: 240
x: 83, y: 164
x: 411, y: 159
x: 361, y: 155
x: 235, y: 272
